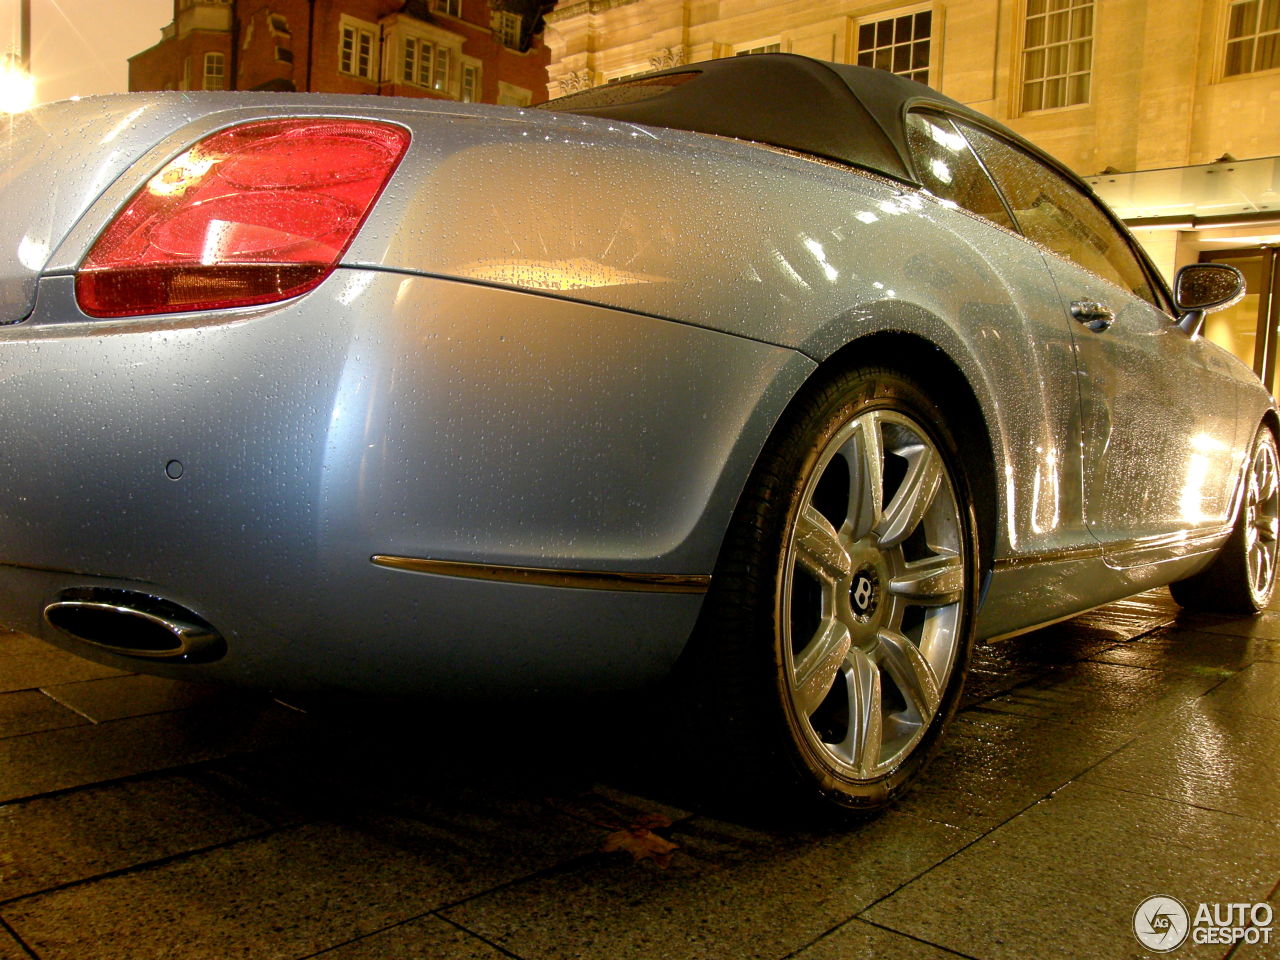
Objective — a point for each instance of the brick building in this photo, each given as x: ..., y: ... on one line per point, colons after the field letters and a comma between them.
x: 487, y: 51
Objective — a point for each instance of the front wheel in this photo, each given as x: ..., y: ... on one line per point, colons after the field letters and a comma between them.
x: 1242, y: 578
x: 835, y: 640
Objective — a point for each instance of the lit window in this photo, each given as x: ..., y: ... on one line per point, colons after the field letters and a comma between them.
x: 1253, y: 37
x: 897, y: 44
x: 215, y: 71
x: 357, y: 52
x: 470, y: 83
x: 452, y: 8
x: 1057, y: 53
x: 425, y: 64
x: 762, y: 48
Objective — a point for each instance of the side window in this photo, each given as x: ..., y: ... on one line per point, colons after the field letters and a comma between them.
x: 1053, y: 211
x: 949, y: 170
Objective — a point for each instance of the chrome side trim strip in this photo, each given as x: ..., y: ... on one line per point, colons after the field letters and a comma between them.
x: 550, y: 577
x: 1179, y: 544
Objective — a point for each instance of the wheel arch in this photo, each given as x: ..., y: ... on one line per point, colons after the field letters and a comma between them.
x: 942, y: 377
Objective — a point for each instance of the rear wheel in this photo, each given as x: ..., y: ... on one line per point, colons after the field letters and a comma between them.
x: 1242, y: 578
x: 834, y: 643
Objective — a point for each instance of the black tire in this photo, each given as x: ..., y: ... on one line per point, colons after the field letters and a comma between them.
x: 1242, y: 578
x: 833, y: 644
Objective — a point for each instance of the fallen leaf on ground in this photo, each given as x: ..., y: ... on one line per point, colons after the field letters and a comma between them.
x: 642, y: 843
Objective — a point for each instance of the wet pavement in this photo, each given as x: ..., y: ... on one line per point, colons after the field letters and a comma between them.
x: 1123, y: 754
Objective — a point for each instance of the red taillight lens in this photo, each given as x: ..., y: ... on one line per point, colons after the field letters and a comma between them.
x: 254, y: 214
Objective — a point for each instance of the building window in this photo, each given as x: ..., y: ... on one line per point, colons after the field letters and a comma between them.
x: 898, y: 44
x: 278, y: 24
x: 506, y: 28
x: 470, y: 83
x: 762, y: 48
x: 358, y: 50
x: 1057, y: 53
x: 215, y: 71
x: 186, y: 74
x: 1253, y: 37
x: 425, y: 64
x: 452, y: 8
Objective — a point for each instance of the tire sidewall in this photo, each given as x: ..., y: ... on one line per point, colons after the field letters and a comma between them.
x: 843, y: 399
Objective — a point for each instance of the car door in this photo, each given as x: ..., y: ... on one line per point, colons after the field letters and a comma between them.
x: 1158, y: 408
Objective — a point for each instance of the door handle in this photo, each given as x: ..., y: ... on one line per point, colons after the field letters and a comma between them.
x: 1094, y: 315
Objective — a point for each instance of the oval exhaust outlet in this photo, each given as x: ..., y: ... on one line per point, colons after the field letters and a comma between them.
x: 136, y: 625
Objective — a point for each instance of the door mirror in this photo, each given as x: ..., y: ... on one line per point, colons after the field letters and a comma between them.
x: 1201, y: 288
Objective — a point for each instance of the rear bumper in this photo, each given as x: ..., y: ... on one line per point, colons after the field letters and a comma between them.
x: 383, y: 414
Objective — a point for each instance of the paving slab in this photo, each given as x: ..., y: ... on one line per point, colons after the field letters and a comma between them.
x: 1255, y: 690
x: 1196, y: 652
x: 27, y: 663
x: 729, y: 892
x: 279, y: 897
x: 860, y: 939
x: 136, y: 695
x: 76, y: 757
x: 1004, y: 754
x: 1064, y: 878
x: 1213, y: 758
x: 427, y: 939
x: 10, y: 949
x: 30, y: 711
x: 1265, y: 626
x: 54, y: 841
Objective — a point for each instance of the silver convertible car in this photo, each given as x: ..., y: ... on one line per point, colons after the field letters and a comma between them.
x: 780, y: 381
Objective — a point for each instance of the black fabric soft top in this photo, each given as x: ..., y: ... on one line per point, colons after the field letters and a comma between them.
x: 833, y: 110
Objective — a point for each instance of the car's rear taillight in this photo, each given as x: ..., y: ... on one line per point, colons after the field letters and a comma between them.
x: 253, y: 214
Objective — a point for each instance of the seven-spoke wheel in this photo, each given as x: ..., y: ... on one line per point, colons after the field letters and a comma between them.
x: 833, y: 644
x: 871, y: 605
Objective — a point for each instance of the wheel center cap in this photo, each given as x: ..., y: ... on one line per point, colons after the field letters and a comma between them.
x: 864, y: 594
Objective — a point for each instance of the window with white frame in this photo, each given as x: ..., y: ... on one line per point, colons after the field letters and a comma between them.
x: 358, y: 50
x: 1057, y: 53
x: 1253, y: 37
x: 900, y: 43
x: 470, y: 92
x: 426, y: 64
x: 759, y: 48
x: 452, y: 8
x: 215, y: 71
x: 506, y: 28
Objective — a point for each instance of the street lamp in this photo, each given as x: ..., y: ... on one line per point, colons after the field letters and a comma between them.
x: 17, y: 85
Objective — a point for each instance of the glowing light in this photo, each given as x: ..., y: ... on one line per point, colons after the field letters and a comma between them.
x: 17, y: 89
x: 33, y: 254
x: 182, y: 173
x: 573, y: 274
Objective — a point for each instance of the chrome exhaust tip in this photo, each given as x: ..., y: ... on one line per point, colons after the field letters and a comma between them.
x: 135, y: 625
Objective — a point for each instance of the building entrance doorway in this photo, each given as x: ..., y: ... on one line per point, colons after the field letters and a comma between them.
x: 1249, y: 329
